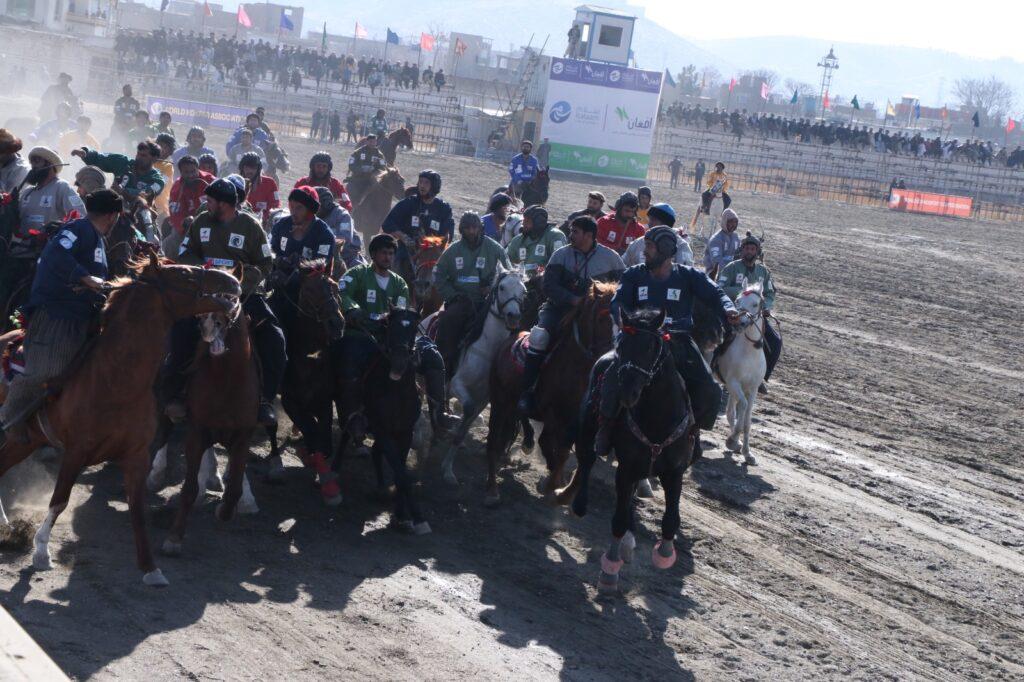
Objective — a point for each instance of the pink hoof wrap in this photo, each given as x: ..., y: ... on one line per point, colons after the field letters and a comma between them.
x: 610, y: 567
x: 663, y: 562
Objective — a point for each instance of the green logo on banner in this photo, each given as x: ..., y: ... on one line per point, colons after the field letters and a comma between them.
x: 622, y: 113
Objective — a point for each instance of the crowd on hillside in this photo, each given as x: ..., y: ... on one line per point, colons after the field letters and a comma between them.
x: 207, y: 58
x: 849, y: 136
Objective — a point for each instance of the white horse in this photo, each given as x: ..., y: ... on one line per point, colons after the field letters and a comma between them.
x: 742, y: 367
x: 472, y: 379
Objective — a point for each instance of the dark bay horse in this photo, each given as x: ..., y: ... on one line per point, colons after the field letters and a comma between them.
x: 311, y: 322
x: 372, y: 206
x: 390, y: 143
x: 536, y: 192
x: 135, y: 323
x: 653, y: 435
x: 585, y: 335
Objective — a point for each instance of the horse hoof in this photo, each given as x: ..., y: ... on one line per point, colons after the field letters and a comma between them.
x: 155, y: 483
x: 643, y: 489
x: 749, y: 459
x: 421, y: 528
x: 608, y: 583
x: 275, y: 474
x: 579, y: 509
x: 492, y: 500
x: 663, y: 562
x: 609, y: 567
x: 215, y: 484
x: 41, y: 561
x: 627, y: 547
x: 527, y: 447
x: 223, y: 514
x: 155, y: 578
x: 731, y: 444
x: 171, y: 548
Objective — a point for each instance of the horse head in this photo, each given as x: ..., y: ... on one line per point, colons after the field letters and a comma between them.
x: 423, y: 261
x: 508, y: 291
x: 750, y: 303
x: 319, y: 297
x: 188, y: 290
x: 400, y: 339
x: 595, y: 319
x: 402, y: 137
x: 393, y: 183
x: 213, y: 327
x: 641, y: 348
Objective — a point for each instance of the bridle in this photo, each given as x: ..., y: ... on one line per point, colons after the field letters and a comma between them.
x: 316, y: 314
x: 662, y: 339
x: 497, y: 306
x: 750, y: 320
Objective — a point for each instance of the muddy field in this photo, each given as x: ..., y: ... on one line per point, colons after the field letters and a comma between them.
x: 881, y: 536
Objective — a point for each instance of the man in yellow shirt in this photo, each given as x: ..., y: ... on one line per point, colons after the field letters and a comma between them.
x: 717, y: 184
x: 167, y: 146
x: 78, y: 138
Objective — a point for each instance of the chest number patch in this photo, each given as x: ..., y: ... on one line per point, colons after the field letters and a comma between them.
x: 642, y: 293
x: 204, y: 234
x: 459, y: 262
x: 371, y: 295
x: 236, y: 241
x: 480, y: 262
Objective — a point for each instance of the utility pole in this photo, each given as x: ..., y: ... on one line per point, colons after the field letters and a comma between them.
x: 828, y: 64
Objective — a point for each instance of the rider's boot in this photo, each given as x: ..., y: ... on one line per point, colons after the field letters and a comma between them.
x: 532, y: 364
x: 437, y: 402
x: 763, y: 388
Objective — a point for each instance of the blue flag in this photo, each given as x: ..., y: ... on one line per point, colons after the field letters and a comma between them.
x: 286, y: 22
x: 668, y: 79
x: 392, y: 37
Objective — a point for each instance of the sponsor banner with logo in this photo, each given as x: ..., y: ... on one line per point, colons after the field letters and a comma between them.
x: 600, y: 118
x: 185, y: 112
x: 925, y: 202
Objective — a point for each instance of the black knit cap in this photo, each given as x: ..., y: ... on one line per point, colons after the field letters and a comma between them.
x: 103, y: 202
x: 222, y: 190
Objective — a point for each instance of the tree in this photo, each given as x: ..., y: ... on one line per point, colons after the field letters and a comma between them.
x: 801, y: 88
x: 990, y: 96
x: 710, y: 76
x: 688, y: 80
x: 765, y: 75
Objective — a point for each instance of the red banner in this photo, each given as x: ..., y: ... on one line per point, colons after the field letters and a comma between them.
x: 934, y: 204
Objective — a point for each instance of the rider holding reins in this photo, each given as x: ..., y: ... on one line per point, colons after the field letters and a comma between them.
x: 533, y: 247
x: 522, y: 169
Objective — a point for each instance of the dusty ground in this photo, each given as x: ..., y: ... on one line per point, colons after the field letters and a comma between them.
x: 880, y: 537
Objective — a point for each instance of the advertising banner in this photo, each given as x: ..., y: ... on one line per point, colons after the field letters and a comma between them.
x: 186, y: 113
x: 599, y: 118
x: 925, y: 202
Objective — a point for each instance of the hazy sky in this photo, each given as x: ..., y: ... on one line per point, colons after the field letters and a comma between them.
x: 988, y: 29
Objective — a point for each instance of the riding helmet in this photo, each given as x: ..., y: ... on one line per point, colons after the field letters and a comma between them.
x: 751, y: 239
x: 103, y: 202
x: 538, y: 216
x: 626, y: 199
x: 196, y: 129
x: 469, y: 219
x: 321, y: 157
x: 222, y: 190
x: 644, y: 191
x: 251, y: 159
x: 435, y: 180
x: 239, y: 182
x: 664, y: 239
x: 664, y: 212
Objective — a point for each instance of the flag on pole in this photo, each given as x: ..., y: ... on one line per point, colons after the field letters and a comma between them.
x: 976, y: 120
x: 163, y: 4
x: 323, y: 40
x: 732, y: 84
x: 426, y: 42
x: 669, y: 79
x: 794, y: 98
x: 392, y: 37
x: 1010, y: 125
x: 764, y: 90
x: 360, y: 31
x: 460, y: 47
x: 855, y: 103
x: 286, y: 22
x: 243, y: 18
x: 944, y: 113
x: 206, y: 10
x: 917, y: 109
x: 890, y: 110
x: 826, y: 102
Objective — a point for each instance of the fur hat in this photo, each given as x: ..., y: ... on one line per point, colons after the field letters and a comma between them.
x: 91, y: 175
x: 48, y: 155
x: 9, y: 144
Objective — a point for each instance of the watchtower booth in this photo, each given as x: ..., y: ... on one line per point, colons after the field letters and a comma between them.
x: 606, y: 35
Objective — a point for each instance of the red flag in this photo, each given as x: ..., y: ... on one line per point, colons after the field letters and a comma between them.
x: 243, y: 18
x: 826, y: 103
x: 732, y: 84
x: 1010, y: 125
x: 426, y: 42
x: 764, y: 90
x: 360, y: 31
x: 460, y: 47
x: 944, y: 113
x: 206, y: 9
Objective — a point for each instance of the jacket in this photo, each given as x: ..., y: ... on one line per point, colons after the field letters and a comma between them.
x: 209, y: 242
x: 717, y: 182
x: 77, y: 251
x: 361, y: 291
x: 532, y: 251
x: 735, y: 277
x: 412, y: 215
x: 132, y: 182
x: 635, y: 253
x: 185, y: 151
x: 674, y: 295
x: 187, y: 199
x: 259, y: 138
x: 41, y: 205
x: 523, y: 168
x: 13, y: 173
x: 263, y: 196
x: 570, y: 271
x: 366, y: 160
x: 721, y: 250
x: 334, y: 184
x: 612, y: 234
x: 463, y: 271
x: 318, y: 242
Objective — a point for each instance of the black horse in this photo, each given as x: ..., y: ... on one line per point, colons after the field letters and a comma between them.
x: 653, y: 435
x: 536, y: 191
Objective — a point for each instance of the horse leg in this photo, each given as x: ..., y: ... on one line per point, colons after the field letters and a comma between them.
x: 738, y: 407
x: 134, y: 469
x: 549, y: 442
x: 397, y: 452
x: 747, y: 417
x: 327, y: 478
x: 238, y: 454
x: 501, y: 431
x: 469, y: 413
x: 158, y: 472
x: 209, y: 478
x: 69, y: 470
x: 275, y: 470
x: 663, y: 554
x: 529, y: 437
x: 611, y: 561
x: 577, y: 492
x: 195, y: 447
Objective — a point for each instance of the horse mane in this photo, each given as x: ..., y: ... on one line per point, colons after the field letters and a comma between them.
x: 647, y: 318
x: 599, y: 293
x: 308, y: 266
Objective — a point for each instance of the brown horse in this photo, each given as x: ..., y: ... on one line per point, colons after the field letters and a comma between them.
x: 370, y: 208
x: 418, y: 273
x: 134, y: 326
x: 584, y: 335
x: 388, y: 145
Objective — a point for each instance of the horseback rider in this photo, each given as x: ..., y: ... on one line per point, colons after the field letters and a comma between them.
x: 620, y: 229
x: 740, y: 275
x: 320, y: 167
x: 660, y: 283
x: 594, y: 209
x: 339, y: 221
x: 378, y: 125
x: 223, y: 236
x: 567, y: 277
x: 420, y: 215
x: 133, y: 178
x: 723, y: 245
x: 13, y: 168
x: 522, y: 169
x: 463, y: 276
x: 363, y: 164
x: 253, y: 124
x: 500, y: 223
x: 299, y: 236
x: 660, y: 214
x: 717, y: 184
x: 195, y: 146
x: 533, y: 247
x: 368, y: 292
x: 166, y: 143
x: 260, y: 189
x: 187, y: 195
x: 88, y: 179
x: 66, y: 293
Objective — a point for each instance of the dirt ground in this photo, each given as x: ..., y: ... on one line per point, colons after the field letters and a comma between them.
x: 881, y: 535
